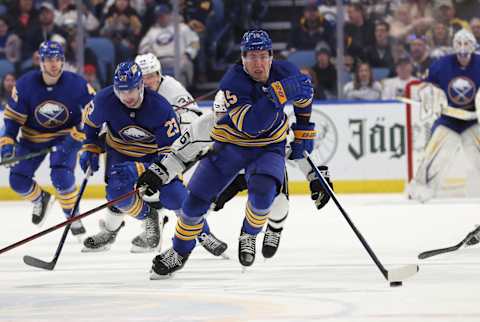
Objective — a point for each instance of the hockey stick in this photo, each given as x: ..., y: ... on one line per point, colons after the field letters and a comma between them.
x: 393, y: 275
x: 27, y: 156
x: 35, y: 262
x: 434, y: 252
x: 70, y: 220
x: 446, y: 110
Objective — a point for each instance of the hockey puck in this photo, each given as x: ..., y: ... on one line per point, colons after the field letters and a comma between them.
x: 396, y: 284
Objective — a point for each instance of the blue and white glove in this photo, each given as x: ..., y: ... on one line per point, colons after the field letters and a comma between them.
x: 305, y: 135
x: 7, y: 150
x: 290, y: 88
x: 123, y: 175
x: 89, y: 158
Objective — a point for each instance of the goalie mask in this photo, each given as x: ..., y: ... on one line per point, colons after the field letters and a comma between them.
x: 128, y: 84
x: 464, y: 44
x: 219, y: 108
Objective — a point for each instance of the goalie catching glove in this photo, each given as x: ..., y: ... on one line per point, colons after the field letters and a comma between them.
x: 318, y: 193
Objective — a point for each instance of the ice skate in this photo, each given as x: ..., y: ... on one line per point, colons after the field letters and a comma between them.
x: 41, y: 208
x: 475, y: 238
x: 420, y: 192
x: 140, y: 244
x: 213, y: 245
x: 101, y: 241
x: 246, y: 248
x: 165, y: 264
x: 271, y: 242
x: 78, y: 230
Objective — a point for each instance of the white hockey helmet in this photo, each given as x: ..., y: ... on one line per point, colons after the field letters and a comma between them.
x: 219, y: 107
x: 464, y: 43
x: 149, y: 64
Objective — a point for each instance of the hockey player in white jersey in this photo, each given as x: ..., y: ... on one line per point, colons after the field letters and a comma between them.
x: 187, y: 111
x: 196, y: 142
x: 453, y: 81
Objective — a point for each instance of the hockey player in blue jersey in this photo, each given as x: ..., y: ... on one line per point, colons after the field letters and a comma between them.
x: 453, y: 81
x: 46, y: 108
x: 140, y: 126
x: 252, y: 137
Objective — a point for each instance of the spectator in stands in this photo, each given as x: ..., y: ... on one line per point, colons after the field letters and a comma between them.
x: 34, y: 64
x: 10, y: 43
x: 123, y: 26
x: 159, y: 40
x: 90, y: 72
x: 67, y: 17
x: 380, y: 54
x: 475, y: 27
x: 420, y: 54
x: 8, y: 82
x: 404, y: 23
x: 359, y: 30
x: 363, y: 86
x: 439, y: 40
x: 23, y: 16
x: 43, y: 31
x: 311, y: 30
x: 318, y: 92
x: 325, y: 73
x: 89, y: 57
x: 395, y: 86
x: 445, y: 12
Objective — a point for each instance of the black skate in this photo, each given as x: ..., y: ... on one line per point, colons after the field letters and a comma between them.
x: 473, y: 240
x: 271, y: 241
x: 141, y: 243
x: 165, y: 264
x: 41, y: 207
x: 246, y: 248
x: 78, y: 230
x: 213, y: 245
x: 101, y: 241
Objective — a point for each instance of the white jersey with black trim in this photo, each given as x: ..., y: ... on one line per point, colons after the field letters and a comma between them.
x: 180, y: 99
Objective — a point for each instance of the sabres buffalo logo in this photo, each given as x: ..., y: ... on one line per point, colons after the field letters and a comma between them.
x: 51, y: 114
x: 461, y: 91
x: 134, y: 133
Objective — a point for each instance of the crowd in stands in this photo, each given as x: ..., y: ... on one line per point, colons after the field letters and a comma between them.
x: 387, y: 42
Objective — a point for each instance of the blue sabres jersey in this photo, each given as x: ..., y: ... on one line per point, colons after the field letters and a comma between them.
x: 139, y: 134
x: 243, y: 95
x: 460, y: 85
x: 45, y: 112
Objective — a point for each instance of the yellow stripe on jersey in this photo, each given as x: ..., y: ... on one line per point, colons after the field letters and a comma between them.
x: 92, y: 148
x: 133, y: 149
x: 303, y: 102
x: 237, y: 115
x: 187, y: 232
x: 140, y: 168
x: 11, y: 114
x: 34, y: 193
x: 255, y: 220
x: 67, y: 200
x: 227, y: 134
x: 135, y: 208
x: 86, y: 119
x: 4, y: 140
x: 305, y: 134
x: 41, y: 137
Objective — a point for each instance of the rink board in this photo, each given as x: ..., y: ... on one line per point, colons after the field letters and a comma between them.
x: 364, y: 144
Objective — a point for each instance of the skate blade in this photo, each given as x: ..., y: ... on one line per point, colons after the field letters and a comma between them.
x: 224, y: 256
x: 156, y: 277
x: 244, y: 269
x: 95, y: 250
x: 47, y: 211
x: 80, y: 238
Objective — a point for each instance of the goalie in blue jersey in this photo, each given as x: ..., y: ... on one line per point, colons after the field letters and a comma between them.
x: 45, y: 111
x: 252, y: 137
x: 452, y: 84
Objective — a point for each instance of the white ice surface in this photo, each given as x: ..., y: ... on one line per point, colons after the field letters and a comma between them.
x: 321, y: 272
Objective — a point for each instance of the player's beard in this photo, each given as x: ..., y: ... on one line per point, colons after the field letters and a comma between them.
x: 51, y: 78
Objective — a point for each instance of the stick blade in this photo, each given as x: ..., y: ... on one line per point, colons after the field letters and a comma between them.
x: 402, y: 273
x: 38, y: 263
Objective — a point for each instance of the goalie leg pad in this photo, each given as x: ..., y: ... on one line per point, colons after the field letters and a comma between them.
x: 471, y: 145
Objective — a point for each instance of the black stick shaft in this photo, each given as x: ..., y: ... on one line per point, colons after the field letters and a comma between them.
x: 68, y: 221
x: 330, y: 192
x: 26, y: 156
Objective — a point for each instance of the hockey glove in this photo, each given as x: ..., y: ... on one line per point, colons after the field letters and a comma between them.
x: 8, y: 150
x: 304, y: 138
x: 124, y: 174
x: 318, y: 194
x: 89, y: 158
x: 153, y: 178
x: 290, y: 88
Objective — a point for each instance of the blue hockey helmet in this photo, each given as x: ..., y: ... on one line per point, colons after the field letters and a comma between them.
x: 51, y: 49
x: 128, y: 75
x: 256, y: 40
